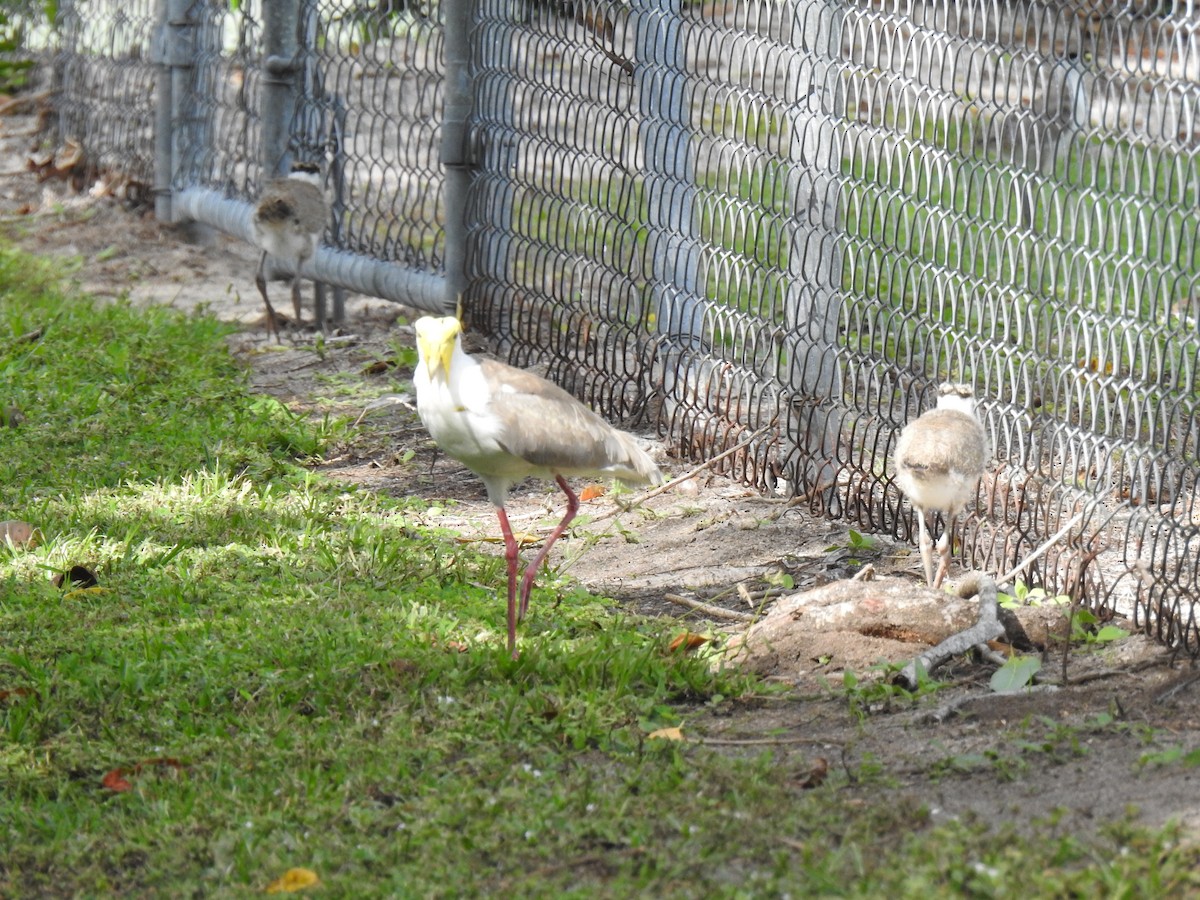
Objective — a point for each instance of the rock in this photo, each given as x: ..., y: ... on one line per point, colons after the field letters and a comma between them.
x: 20, y: 534
x: 850, y: 625
x: 858, y: 624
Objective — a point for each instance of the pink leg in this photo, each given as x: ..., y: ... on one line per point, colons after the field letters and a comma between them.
x: 926, y: 544
x: 945, y: 547
x: 260, y: 279
x: 532, y: 569
x: 296, y: 295
x: 511, y: 554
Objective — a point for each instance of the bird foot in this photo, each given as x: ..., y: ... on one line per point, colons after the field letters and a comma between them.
x: 943, y: 569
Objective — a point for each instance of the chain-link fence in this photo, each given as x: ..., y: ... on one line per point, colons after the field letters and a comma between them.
x: 771, y: 223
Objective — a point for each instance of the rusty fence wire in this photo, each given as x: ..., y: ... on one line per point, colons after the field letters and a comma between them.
x: 777, y: 223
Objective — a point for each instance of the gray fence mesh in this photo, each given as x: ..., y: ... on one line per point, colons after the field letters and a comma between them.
x: 104, y: 85
x: 777, y: 225
x: 811, y: 213
x: 367, y: 104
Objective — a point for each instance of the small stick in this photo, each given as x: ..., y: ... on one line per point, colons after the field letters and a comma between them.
x: 707, y: 464
x: 757, y: 742
x: 1173, y: 689
x: 985, y: 629
x: 1040, y: 551
x: 716, y: 612
x: 946, y: 710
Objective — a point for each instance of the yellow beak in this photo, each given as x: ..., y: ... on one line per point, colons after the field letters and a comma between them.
x: 435, y: 342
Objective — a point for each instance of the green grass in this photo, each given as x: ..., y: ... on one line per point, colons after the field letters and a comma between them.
x: 289, y: 673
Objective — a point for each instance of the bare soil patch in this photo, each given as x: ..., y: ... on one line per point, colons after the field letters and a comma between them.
x: 1106, y: 742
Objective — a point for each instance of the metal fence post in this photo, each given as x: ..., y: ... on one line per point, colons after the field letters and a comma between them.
x: 455, y: 152
x: 174, y: 55
x: 280, y: 63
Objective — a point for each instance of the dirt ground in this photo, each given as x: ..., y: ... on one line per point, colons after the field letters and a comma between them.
x: 1103, y: 746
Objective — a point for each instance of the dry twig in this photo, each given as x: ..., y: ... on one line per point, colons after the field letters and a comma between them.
x: 716, y: 612
x: 987, y: 628
x: 1040, y: 551
x: 763, y: 742
x: 707, y: 464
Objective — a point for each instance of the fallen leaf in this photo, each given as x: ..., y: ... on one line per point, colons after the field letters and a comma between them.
x: 1003, y: 648
x: 402, y: 666
x: 379, y: 367
x: 293, y: 880
x: 15, y: 693
x: 816, y: 774
x: 1015, y: 675
x: 689, y: 641
x: 114, y: 780
x: 666, y: 734
x: 591, y: 492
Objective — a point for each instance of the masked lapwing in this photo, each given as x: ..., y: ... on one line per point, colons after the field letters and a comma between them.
x: 505, y: 424
x: 288, y: 221
x: 939, y: 460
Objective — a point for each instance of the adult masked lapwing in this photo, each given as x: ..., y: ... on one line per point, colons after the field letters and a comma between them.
x: 505, y: 424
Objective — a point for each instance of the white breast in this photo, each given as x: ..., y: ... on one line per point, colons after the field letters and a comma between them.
x: 459, y: 420
x: 282, y: 242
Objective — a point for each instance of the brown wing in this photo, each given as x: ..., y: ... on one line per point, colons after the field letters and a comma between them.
x: 288, y: 198
x: 544, y: 425
x: 941, y: 441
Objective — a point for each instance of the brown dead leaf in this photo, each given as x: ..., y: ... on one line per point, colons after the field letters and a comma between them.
x: 689, y: 641
x: 666, y: 734
x: 116, y: 780
x: 591, y: 492
x: 403, y: 667
x: 379, y: 367
x: 1003, y: 648
x: 816, y: 774
x: 15, y: 694
x: 293, y: 880
x: 68, y: 161
x: 69, y: 155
